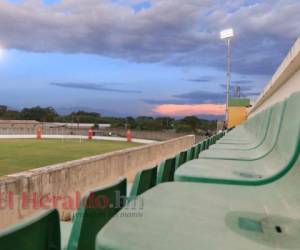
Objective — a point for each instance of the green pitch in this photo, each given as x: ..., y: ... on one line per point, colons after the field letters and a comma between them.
x: 23, y: 154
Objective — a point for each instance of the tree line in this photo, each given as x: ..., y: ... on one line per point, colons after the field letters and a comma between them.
x: 49, y: 114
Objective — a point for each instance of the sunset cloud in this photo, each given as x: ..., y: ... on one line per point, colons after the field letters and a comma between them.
x: 190, y: 109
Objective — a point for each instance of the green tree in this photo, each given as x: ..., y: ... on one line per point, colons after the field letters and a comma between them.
x: 39, y: 114
x: 192, y: 122
x: 131, y: 123
x: 166, y: 122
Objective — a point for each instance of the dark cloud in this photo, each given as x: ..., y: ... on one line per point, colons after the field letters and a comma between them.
x: 69, y: 110
x: 201, y: 79
x: 194, y: 97
x: 176, y: 32
x: 164, y: 101
x: 241, y: 82
x: 92, y: 87
x: 202, y: 97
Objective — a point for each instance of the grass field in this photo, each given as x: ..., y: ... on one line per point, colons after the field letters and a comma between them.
x: 23, y: 154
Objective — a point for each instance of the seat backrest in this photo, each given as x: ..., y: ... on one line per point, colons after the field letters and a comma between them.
x: 181, y: 158
x: 198, y: 149
x: 261, y: 127
x: 283, y: 155
x: 258, y: 120
x: 205, y: 144
x: 97, y: 207
x: 251, y: 123
x: 210, y: 141
x: 166, y: 171
x: 276, y: 120
x: 191, y: 153
x: 144, y: 180
x: 288, y: 147
x: 289, y: 132
x: 258, y: 125
x: 41, y: 232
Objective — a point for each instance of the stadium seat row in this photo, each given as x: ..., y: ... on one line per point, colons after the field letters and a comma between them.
x: 242, y: 193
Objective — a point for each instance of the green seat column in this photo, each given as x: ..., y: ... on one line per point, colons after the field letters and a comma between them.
x: 97, y: 207
x: 191, y: 153
x: 144, y: 180
x: 181, y: 158
x: 166, y: 171
x: 40, y: 232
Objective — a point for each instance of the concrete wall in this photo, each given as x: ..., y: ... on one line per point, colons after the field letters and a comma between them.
x: 284, y: 82
x: 66, y: 179
x: 151, y: 135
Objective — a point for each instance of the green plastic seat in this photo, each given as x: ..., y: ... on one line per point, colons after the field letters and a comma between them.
x: 250, y: 138
x: 213, y: 140
x: 198, y: 149
x: 191, y: 153
x: 197, y: 216
x: 97, y: 207
x: 144, y: 180
x: 256, y: 172
x: 166, y: 171
x: 251, y: 133
x: 181, y: 158
x: 220, y: 135
x: 40, y: 232
x: 261, y: 213
x: 206, y: 143
x: 259, y: 152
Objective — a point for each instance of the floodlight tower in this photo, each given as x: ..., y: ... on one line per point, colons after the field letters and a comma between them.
x: 227, y: 35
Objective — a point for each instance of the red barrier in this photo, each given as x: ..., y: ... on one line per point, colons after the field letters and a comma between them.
x: 129, y: 135
x: 39, y: 133
x: 90, y: 134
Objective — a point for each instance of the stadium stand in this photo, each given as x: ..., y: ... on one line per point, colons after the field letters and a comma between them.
x: 261, y: 150
x: 260, y: 211
x: 277, y: 155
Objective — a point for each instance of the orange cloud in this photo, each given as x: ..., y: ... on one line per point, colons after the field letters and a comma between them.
x: 190, y: 109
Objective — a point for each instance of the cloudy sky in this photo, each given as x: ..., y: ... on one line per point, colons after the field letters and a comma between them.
x: 137, y: 57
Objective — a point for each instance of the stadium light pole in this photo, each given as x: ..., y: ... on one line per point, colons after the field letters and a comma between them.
x: 227, y: 35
